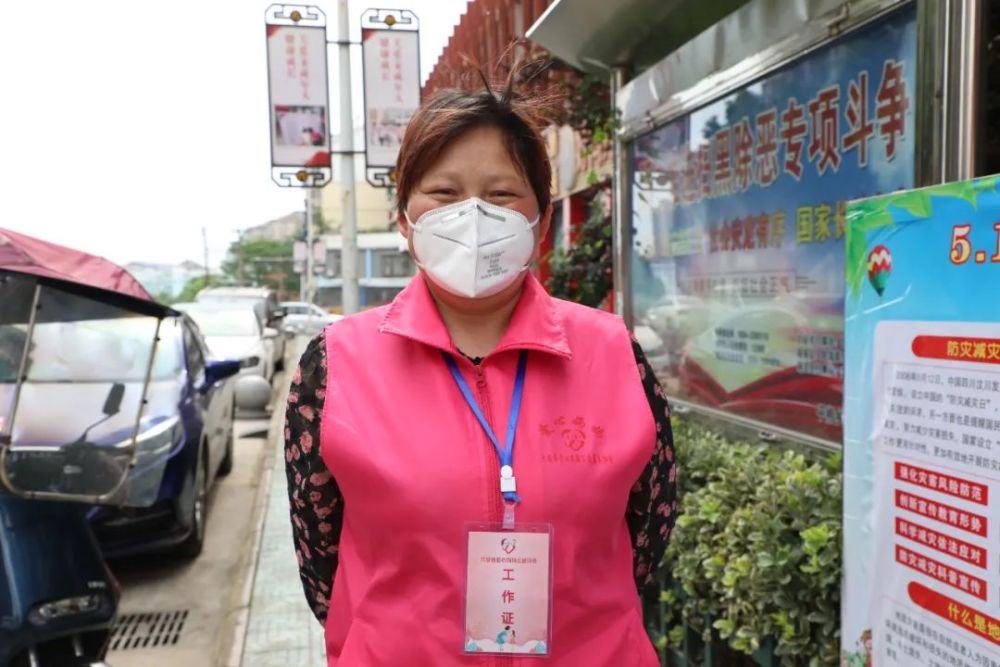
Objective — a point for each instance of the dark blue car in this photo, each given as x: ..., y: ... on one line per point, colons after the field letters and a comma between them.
x: 198, y: 395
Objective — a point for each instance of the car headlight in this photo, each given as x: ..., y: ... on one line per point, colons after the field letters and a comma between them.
x: 52, y: 611
x: 250, y: 362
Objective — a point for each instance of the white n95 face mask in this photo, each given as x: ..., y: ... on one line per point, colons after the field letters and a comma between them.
x: 473, y: 248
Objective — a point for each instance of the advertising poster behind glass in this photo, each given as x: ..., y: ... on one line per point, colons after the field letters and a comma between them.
x: 739, y: 217
x: 922, y: 428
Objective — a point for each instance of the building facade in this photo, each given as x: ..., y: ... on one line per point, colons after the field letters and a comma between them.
x: 384, y: 269
x: 483, y: 34
x: 373, y: 206
x: 285, y: 228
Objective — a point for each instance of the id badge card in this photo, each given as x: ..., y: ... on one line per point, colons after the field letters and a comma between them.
x: 508, y: 590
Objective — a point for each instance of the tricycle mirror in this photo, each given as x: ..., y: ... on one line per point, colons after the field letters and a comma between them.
x: 113, y: 403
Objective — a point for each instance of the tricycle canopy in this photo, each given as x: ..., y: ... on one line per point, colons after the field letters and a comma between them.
x: 90, y: 377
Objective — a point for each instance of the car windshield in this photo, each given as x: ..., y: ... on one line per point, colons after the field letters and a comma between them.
x: 229, y: 298
x: 258, y: 304
x: 225, y: 322
x: 109, y: 350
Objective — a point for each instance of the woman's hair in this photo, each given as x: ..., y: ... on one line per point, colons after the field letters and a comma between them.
x: 450, y: 113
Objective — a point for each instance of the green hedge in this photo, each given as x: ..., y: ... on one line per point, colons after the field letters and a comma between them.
x: 756, y: 550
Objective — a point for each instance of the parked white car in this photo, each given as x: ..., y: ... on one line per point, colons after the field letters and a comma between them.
x: 235, y: 333
x: 302, y: 317
x: 264, y: 302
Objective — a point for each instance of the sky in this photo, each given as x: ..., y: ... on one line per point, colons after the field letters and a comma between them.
x: 129, y: 126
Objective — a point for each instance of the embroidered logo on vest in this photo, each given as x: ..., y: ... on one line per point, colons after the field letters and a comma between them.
x: 569, y: 438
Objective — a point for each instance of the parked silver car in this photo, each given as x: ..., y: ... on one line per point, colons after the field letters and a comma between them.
x: 302, y: 317
x: 264, y: 302
x: 234, y: 332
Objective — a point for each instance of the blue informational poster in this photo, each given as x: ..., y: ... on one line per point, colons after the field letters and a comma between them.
x: 922, y: 428
x: 737, y: 268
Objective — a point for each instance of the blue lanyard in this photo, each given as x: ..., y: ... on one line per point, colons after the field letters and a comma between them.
x: 506, y: 453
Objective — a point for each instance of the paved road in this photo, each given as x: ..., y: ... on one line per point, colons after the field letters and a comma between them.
x: 195, y: 612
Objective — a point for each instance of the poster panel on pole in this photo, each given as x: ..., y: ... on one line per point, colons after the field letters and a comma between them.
x: 298, y: 96
x: 299, y: 253
x: 737, y: 261
x: 319, y: 256
x: 922, y: 428
x: 391, y: 56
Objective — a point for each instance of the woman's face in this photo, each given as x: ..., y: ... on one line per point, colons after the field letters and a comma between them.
x: 476, y: 164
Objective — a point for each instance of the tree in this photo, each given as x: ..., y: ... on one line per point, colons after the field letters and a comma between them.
x: 190, y: 290
x: 163, y: 297
x: 583, y: 273
x: 265, y: 262
x: 320, y: 224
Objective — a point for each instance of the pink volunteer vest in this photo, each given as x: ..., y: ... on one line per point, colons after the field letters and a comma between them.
x: 415, y: 467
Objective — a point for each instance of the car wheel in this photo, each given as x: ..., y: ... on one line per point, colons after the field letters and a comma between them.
x: 192, y: 546
x: 226, y: 466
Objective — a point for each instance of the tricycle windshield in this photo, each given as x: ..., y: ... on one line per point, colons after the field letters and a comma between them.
x: 109, y: 350
x: 88, y: 396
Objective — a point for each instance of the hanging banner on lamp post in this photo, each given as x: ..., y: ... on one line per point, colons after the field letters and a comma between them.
x: 298, y: 95
x: 319, y: 257
x: 299, y: 252
x: 391, y: 55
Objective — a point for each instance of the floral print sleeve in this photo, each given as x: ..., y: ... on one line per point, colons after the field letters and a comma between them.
x: 317, y: 506
x: 652, y: 505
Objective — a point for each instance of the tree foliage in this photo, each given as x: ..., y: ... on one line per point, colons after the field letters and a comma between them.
x: 265, y: 262
x: 583, y: 273
x: 190, y: 290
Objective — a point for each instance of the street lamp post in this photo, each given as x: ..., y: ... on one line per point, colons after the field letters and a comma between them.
x: 349, y: 226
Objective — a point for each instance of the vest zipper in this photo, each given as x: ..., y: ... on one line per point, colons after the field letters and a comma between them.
x: 494, y: 468
x: 493, y: 475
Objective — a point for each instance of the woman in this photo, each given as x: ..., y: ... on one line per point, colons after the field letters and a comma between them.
x: 477, y: 455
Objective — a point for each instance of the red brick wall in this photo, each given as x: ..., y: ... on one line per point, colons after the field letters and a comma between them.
x: 484, y: 32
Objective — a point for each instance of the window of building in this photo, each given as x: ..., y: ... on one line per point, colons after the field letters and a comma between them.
x: 395, y: 265
x: 333, y: 263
